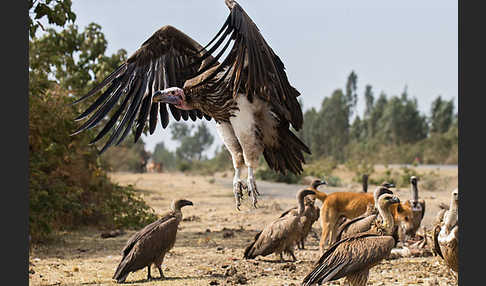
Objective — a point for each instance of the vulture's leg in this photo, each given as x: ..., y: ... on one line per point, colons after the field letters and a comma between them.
x: 149, y: 277
x: 252, y: 188
x: 246, y: 125
x: 227, y: 134
x: 160, y: 271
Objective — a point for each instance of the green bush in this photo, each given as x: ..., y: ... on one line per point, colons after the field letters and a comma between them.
x: 67, y: 186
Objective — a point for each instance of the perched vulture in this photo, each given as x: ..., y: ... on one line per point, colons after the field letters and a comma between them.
x: 417, y: 205
x: 248, y: 94
x: 352, y: 257
x: 446, y: 234
x: 149, y: 245
x: 281, y: 235
x: 366, y: 221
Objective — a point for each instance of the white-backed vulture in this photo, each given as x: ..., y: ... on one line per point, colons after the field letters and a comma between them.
x: 339, y: 206
x: 366, y: 221
x: 149, y: 245
x: 352, y: 257
x: 248, y: 94
x: 417, y: 205
x: 446, y: 234
x: 280, y: 235
x: 310, y: 215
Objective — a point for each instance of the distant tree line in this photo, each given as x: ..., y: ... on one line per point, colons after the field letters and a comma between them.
x: 391, y: 129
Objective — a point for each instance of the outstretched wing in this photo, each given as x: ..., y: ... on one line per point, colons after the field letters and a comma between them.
x: 164, y: 60
x: 251, y: 67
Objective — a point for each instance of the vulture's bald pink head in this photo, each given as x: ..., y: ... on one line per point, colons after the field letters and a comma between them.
x: 174, y: 96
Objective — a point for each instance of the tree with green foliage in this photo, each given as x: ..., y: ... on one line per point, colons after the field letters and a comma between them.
x: 68, y: 186
x: 441, y: 115
x: 163, y: 155
x: 192, y: 144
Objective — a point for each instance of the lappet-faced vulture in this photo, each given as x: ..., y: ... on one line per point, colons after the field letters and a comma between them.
x: 352, y: 257
x: 281, y: 235
x: 149, y: 245
x: 247, y: 93
x: 446, y: 234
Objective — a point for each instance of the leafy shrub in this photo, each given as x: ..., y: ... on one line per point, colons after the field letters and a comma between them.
x: 67, y: 186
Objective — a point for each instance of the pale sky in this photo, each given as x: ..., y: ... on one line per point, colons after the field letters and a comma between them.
x: 389, y: 44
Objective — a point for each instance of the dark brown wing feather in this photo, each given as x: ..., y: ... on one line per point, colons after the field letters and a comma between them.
x: 252, y: 67
x: 164, y: 60
x: 272, y: 238
x: 356, y: 225
x: 350, y: 255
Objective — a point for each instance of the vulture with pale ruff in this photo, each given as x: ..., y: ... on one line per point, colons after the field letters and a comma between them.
x: 446, y: 234
x: 149, y: 245
x: 248, y: 94
x: 353, y: 257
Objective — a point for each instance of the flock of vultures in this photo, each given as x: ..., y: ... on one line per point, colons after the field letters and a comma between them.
x: 248, y: 94
x: 369, y: 226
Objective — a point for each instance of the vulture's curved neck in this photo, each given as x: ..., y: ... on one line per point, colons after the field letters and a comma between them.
x: 451, y: 216
x: 414, y: 193
x: 301, y: 205
x: 386, y: 215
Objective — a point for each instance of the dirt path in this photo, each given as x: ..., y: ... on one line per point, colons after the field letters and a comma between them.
x: 211, y: 241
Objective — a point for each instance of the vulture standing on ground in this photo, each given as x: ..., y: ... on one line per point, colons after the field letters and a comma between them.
x: 309, y: 216
x: 150, y: 244
x: 248, y: 94
x: 365, y: 221
x: 352, y: 257
x: 280, y: 235
x: 417, y: 205
x: 446, y: 234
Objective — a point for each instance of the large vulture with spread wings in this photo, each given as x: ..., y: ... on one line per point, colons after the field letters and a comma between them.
x: 248, y: 94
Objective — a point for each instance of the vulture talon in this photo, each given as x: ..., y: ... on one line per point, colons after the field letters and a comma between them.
x: 238, y: 191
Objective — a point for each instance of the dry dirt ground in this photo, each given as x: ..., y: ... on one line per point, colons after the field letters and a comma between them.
x: 212, y: 238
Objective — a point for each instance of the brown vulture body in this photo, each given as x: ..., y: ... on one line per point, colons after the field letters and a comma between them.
x: 280, y: 235
x: 248, y: 94
x: 416, y: 205
x: 351, y: 205
x: 149, y: 245
x: 309, y: 216
x: 446, y: 234
x: 352, y: 257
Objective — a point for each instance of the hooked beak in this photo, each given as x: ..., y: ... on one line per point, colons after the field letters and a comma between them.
x: 322, y: 183
x: 395, y: 200
x: 166, y: 97
x: 188, y: 203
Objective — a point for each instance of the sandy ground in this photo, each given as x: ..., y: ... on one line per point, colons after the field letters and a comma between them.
x: 212, y: 238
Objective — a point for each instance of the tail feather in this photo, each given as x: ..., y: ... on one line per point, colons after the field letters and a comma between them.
x: 121, y: 271
x: 287, y: 154
x: 248, y: 254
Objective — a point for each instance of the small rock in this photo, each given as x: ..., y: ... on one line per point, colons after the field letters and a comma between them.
x: 31, y: 271
x: 219, y: 248
x: 214, y: 282
x: 230, y: 271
